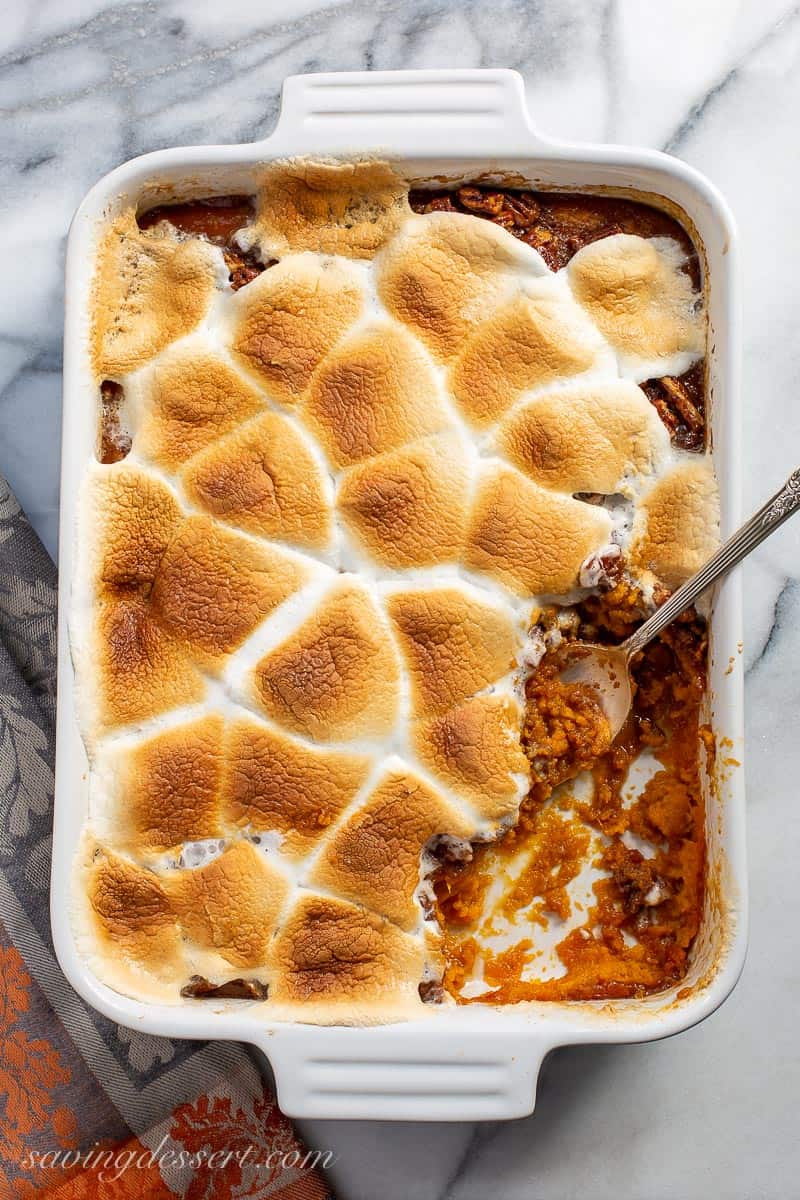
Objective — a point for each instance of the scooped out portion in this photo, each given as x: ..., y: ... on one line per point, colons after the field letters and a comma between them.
x: 597, y: 890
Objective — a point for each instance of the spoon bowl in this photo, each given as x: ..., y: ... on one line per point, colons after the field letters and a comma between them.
x: 605, y: 669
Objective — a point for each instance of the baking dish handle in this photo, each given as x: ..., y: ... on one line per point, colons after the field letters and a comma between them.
x: 405, y: 1073
x: 412, y: 113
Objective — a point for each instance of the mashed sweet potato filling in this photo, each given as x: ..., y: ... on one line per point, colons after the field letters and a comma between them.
x: 645, y: 846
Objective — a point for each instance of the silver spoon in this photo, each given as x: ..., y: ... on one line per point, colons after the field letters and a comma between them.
x: 607, y: 668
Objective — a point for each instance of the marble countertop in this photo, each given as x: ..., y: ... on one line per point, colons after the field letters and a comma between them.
x: 85, y: 85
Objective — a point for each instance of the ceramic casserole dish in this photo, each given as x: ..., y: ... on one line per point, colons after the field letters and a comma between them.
x: 474, y: 1062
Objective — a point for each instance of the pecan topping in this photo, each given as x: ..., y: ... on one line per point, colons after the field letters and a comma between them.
x: 115, y: 443
x: 243, y: 267
x: 679, y: 404
x: 477, y: 200
x: 431, y: 991
x: 234, y: 989
x: 522, y: 207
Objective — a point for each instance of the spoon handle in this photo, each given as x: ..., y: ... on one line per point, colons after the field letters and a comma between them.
x: 777, y: 510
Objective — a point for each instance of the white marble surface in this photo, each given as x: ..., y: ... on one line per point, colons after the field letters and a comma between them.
x: 84, y: 85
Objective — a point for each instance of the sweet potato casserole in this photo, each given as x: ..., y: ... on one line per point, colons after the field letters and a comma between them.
x: 368, y: 457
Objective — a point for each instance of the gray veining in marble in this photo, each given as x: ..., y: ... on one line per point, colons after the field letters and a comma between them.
x: 85, y: 85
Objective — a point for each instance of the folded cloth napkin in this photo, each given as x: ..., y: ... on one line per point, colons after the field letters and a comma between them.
x: 88, y: 1108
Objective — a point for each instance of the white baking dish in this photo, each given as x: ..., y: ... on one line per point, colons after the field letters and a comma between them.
x: 473, y: 1062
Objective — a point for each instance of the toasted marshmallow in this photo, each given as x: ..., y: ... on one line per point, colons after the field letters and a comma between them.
x: 134, y: 668
x: 150, y: 288
x: 375, y: 392
x: 453, y: 644
x: 213, y: 587
x: 231, y: 905
x: 346, y: 964
x: 336, y: 678
x: 275, y: 783
x: 336, y: 208
x: 373, y: 858
x: 186, y: 401
x: 474, y: 750
x: 444, y: 274
x: 138, y: 669
x: 642, y: 300
x: 132, y: 917
x: 410, y: 508
x: 136, y: 518
x: 286, y: 321
x: 529, y: 539
x: 539, y: 339
x: 585, y: 439
x: 264, y: 479
x: 164, y: 790
x: 677, y: 526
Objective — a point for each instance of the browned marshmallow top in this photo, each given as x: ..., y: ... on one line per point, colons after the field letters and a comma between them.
x: 304, y: 596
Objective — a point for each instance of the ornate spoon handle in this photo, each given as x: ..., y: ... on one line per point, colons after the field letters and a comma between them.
x: 777, y: 510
